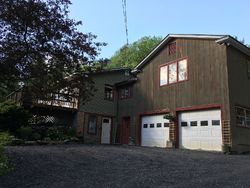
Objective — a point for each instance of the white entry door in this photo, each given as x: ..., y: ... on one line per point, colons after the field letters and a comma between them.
x: 154, y: 131
x: 200, y: 130
x: 106, y: 129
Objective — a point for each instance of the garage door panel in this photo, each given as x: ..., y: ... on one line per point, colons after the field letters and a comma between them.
x: 156, y: 136
x: 205, y: 134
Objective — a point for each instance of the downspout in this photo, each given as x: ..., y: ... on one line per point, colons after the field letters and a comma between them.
x: 116, y: 116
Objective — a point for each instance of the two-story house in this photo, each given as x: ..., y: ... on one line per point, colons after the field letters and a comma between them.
x: 201, y: 82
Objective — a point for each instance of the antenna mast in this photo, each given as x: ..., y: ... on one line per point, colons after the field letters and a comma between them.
x: 124, y: 8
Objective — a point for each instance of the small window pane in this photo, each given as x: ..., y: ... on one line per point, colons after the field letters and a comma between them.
x: 125, y: 92
x: 152, y: 125
x: 240, y: 111
x: 105, y: 120
x: 145, y: 125
x: 248, y: 121
x: 184, y: 124
x: 193, y: 123
x: 204, y: 123
x: 158, y: 125
x: 240, y: 120
x: 166, y: 124
x: 182, y: 70
x: 108, y: 92
x: 163, y: 75
x: 215, y: 122
x: 172, y: 48
x: 92, y: 126
x: 172, y: 73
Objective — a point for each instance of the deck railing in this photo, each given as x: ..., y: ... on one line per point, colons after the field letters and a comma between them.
x: 57, y: 100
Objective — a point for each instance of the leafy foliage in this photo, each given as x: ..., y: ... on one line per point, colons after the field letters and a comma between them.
x: 5, y: 138
x: 41, y: 48
x: 129, y: 56
x: 4, y: 162
x: 12, y: 116
x: 25, y: 132
x: 55, y: 133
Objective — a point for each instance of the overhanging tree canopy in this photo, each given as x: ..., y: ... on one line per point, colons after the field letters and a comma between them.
x: 130, y: 55
x: 41, y: 47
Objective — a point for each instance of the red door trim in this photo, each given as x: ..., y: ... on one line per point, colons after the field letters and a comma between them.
x: 122, y: 129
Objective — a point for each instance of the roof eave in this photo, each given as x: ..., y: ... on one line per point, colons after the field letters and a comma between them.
x: 235, y: 43
x: 167, y: 39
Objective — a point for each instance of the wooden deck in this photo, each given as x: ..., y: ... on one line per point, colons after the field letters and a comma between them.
x: 57, y: 100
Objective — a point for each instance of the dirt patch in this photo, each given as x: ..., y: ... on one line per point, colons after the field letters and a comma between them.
x: 123, y: 166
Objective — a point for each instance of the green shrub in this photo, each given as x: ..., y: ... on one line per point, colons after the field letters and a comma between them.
x: 71, y: 132
x: 55, y: 133
x: 25, y: 133
x: 4, y: 162
x: 12, y: 116
x: 36, y: 136
x: 5, y: 138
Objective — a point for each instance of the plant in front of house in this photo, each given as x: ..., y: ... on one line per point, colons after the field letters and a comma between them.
x: 169, y: 116
x: 12, y: 117
x: 5, y: 166
x: 56, y: 133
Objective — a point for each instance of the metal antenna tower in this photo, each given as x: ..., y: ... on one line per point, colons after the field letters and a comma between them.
x: 124, y: 8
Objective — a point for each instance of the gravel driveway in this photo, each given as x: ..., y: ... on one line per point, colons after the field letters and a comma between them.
x: 123, y: 166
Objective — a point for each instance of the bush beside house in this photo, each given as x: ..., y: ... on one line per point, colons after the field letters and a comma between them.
x: 5, y: 166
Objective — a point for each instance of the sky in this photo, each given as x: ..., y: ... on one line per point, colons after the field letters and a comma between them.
x: 104, y: 18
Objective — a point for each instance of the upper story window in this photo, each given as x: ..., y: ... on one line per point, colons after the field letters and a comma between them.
x: 172, y: 48
x: 242, y: 116
x: 108, y: 92
x: 125, y: 92
x: 173, y: 72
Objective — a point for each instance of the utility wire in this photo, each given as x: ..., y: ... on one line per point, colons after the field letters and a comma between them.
x: 124, y: 8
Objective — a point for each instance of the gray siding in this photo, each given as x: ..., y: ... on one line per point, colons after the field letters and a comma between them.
x: 239, y: 93
x: 97, y: 103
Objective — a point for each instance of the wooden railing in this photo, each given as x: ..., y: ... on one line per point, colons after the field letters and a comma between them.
x: 57, y: 100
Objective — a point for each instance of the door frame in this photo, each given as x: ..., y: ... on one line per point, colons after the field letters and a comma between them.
x: 111, y: 129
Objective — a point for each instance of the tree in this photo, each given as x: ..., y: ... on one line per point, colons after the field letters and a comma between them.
x: 131, y: 55
x: 41, y: 48
x: 242, y: 41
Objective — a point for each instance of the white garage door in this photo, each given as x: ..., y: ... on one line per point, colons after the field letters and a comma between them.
x: 200, y: 130
x: 154, y: 131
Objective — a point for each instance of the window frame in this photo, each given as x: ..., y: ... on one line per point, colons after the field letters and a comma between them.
x: 109, y: 87
x: 245, y: 117
x: 129, y: 91
x: 95, y: 130
x: 170, y: 48
x: 177, y: 72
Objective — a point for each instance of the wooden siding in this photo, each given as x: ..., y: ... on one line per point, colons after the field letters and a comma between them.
x: 207, y: 82
x: 97, y: 104
x: 239, y: 93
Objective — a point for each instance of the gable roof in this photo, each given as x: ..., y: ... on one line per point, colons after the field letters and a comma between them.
x: 220, y: 39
